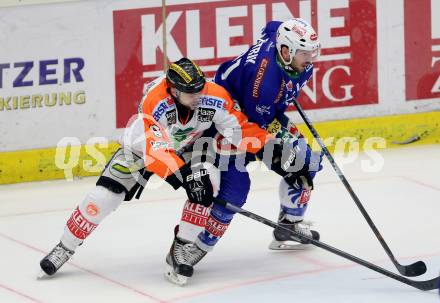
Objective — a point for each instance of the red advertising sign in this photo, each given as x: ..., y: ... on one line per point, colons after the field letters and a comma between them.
x: 210, y: 33
x: 422, y: 49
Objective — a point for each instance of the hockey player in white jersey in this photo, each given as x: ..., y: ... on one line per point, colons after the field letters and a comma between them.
x: 173, y: 114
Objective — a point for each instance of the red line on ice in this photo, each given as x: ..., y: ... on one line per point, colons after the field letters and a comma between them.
x: 420, y: 183
x: 20, y: 293
x: 93, y: 273
x: 170, y: 199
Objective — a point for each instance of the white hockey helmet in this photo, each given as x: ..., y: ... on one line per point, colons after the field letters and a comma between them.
x: 297, y: 35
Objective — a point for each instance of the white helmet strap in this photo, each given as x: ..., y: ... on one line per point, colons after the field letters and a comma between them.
x: 286, y: 63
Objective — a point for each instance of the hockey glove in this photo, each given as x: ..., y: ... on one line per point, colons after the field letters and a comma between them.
x: 293, y: 160
x: 197, y: 184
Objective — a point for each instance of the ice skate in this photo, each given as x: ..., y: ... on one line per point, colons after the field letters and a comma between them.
x: 283, y: 240
x: 54, y: 260
x: 181, y: 259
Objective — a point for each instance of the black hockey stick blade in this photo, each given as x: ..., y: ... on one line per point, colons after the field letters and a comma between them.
x: 411, y: 270
x: 422, y: 285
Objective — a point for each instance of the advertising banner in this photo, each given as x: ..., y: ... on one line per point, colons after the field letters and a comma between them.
x: 50, y: 83
x: 211, y: 33
x: 83, y: 73
x: 422, y: 49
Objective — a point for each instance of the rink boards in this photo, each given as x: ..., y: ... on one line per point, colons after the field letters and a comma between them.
x: 340, y: 136
x: 75, y: 80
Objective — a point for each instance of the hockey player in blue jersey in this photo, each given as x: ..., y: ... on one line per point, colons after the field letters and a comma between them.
x: 266, y: 78
x: 263, y: 81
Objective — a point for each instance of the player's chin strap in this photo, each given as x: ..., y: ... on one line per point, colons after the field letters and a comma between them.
x: 292, y: 73
x: 422, y: 285
x: 416, y: 269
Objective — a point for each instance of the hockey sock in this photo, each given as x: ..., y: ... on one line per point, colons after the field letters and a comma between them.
x: 216, y: 225
x: 85, y: 218
x: 193, y: 221
x: 294, y: 201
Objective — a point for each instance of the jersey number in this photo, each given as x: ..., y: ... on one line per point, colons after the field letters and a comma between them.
x: 230, y: 69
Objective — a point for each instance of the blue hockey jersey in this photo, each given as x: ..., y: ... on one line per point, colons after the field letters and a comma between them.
x: 259, y: 84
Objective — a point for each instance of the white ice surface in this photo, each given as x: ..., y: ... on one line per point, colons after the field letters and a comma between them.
x: 123, y: 260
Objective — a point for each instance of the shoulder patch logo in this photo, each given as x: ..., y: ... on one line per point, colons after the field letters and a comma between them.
x: 205, y: 114
x: 259, y: 78
x: 156, y: 131
x: 171, y: 117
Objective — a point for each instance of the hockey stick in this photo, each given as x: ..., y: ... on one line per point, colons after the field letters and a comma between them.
x: 422, y: 285
x: 416, y: 269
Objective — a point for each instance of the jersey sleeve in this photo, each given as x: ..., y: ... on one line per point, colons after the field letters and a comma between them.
x: 160, y: 157
x: 270, y: 29
x: 236, y: 128
x: 304, y: 78
x: 263, y: 90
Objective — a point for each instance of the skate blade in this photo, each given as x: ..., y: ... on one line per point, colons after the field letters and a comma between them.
x: 288, y: 245
x: 41, y: 275
x: 174, y: 278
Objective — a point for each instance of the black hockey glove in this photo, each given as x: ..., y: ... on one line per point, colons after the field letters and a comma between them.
x: 293, y: 160
x: 197, y: 184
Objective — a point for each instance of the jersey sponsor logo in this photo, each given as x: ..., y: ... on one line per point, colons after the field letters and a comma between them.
x: 253, y: 52
x: 263, y: 109
x: 285, y: 134
x: 274, y: 127
x: 211, y: 101
x: 171, y: 117
x: 259, y: 78
x: 79, y: 226
x: 182, y: 134
x: 156, y: 131
x: 161, y: 108
x: 156, y: 145
x: 281, y: 92
x: 205, y: 114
